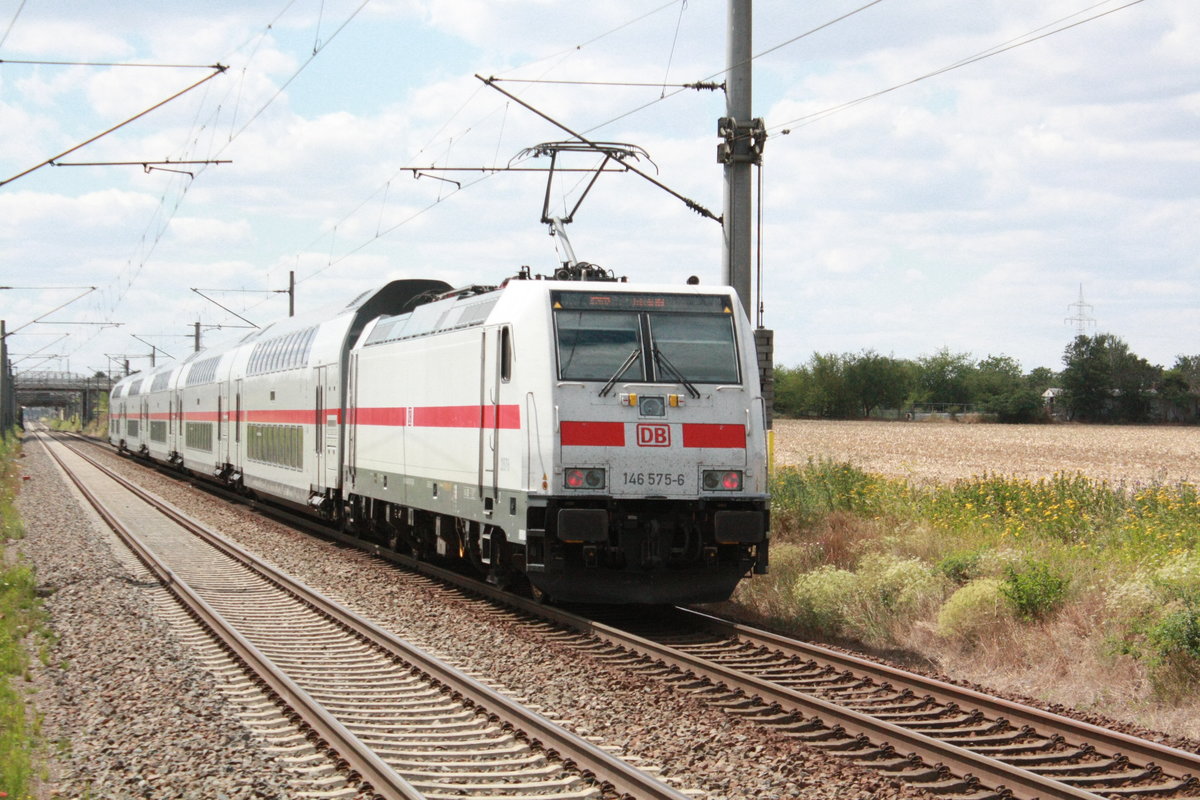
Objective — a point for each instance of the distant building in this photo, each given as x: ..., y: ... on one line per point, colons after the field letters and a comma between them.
x: 1050, y: 402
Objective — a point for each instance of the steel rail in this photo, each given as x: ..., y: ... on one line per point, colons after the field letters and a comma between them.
x: 962, y: 762
x: 958, y: 760
x: 1084, y: 732
x: 592, y: 761
x: 364, y: 764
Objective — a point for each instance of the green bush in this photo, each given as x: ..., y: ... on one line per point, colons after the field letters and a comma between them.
x: 1019, y: 405
x: 1034, y: 590
x: 1174, y: 644
x: 1132, y: 602
x: 974, y: 610
x: 1179, y: 578
x: 867, y: 605
x: 1178, y: 634
x: 771, y: 599
x: 904, y: 586
x: 802, y: 495
x: 891, y: 592
x: 960, y: 566
x: 821, y: 597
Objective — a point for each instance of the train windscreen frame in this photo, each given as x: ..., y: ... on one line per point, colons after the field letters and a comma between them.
x: 645, y: 337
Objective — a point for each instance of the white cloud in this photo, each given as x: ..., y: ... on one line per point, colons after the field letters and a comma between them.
x: 209, y: 232
x: 964, y: 210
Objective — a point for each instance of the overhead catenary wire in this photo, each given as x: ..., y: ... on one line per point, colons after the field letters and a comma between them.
x: 674, y: 41
x: 218, y: 69
x: 137, y: 262
x: 682, y: 87
x: 730, y: 67
x: 12, y: 22
x: 331, y: 232
x: 1011, y: 44
x: 694, y: 85
x: 556, y: 57
x: 29, y: 62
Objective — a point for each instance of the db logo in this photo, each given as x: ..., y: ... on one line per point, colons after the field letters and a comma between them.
x: 653, y: 434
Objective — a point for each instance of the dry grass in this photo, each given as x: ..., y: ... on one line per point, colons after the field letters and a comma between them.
x: 929, y: 451
x: 1068, y: 658
x: 1063, y: 661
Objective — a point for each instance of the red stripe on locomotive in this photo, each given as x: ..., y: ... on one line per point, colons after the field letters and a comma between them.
x: 593, y: 434
x: 700, y: 434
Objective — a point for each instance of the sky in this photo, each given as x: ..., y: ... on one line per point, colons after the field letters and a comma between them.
x: 916, y: 196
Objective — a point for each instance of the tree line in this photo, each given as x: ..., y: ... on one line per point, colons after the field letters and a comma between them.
x: 1102, y: 380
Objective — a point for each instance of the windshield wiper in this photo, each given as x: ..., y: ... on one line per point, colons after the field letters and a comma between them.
x: 665, y: 364
x: 634, y: 356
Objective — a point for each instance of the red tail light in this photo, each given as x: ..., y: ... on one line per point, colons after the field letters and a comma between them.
x: 721, y: 480
x: 583, y: 478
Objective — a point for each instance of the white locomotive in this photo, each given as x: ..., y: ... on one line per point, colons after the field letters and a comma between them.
x: 602, y: 440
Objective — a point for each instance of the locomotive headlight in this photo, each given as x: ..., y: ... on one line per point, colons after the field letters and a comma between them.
x: 583, y: 478
x: 721, y: 480
x: 652, y: 406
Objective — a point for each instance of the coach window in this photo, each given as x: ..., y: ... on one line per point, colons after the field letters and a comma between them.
x: 293, y: 353
x: 285, y: 357
x: 506, y: 354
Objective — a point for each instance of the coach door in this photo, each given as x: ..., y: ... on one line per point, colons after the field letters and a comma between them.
x: 178, y: 442
x: 235, y: 447
x: 318, y: 429
x: 222, y: 440
x: 327, y: 430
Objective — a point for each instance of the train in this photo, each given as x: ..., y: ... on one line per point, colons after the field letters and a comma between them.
x: 588, y: 439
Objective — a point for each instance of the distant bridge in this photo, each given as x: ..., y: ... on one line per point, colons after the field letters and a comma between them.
x: 76, y: 393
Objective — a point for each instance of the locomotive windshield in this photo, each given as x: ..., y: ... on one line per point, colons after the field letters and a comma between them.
x: 642, y: 337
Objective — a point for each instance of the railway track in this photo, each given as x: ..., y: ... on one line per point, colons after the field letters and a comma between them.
x: 953, y: 741
x: 399, y: 722
x: 882, y: 716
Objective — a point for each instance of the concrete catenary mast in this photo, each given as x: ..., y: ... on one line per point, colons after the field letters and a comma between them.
x: 741, y: 148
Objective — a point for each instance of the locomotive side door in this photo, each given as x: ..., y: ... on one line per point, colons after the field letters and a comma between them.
x: 494, y: 393
x: 486, y: 477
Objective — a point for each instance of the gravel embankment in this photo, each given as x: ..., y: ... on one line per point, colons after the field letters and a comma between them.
x: 142, y: 721
x: 125, y: 711
x: 696, y: 746
x: 128, y: 712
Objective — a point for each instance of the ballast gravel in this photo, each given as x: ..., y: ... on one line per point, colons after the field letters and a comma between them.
x: 125, y: 712
x: 134, y: 716
x: 696, y: 747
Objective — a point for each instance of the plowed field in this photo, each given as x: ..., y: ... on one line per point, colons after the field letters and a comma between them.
x: 943, y: 451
